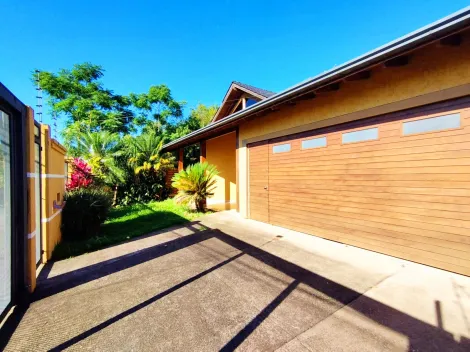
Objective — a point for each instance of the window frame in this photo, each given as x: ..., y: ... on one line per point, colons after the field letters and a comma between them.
x: 377, y: 127
x: 282, y: 144
x: 312, y: 138
x: 454, y: 112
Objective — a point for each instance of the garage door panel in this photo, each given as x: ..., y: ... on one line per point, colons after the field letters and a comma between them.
x: 364, y: 222
x: 344, y: 237
x: 402, y: 146
x: 374, y: 244
x: 445, y: 151
x: 456, y: 249
x: 408, y: 220
x: 312, y: 185
x: 425, y: 199
x: 376, y: 171
x: 333, y: 152
x: 371, y: 176
x: 385, y: 250
x: 380, y: 200
x: 366, y: 206
x: 406, y: 157
x: 307, y: 179
x: 375, y: 165
x: 403, y: 245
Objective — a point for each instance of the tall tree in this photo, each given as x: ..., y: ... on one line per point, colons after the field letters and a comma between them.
x: 203, y: 114
x: 156, y: 109
x: 80, y: 95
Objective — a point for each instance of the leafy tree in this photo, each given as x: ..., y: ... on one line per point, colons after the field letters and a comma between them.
x: 204, y: 114
x: 195, y: 184
x: 156, y: 109
x: 80, y: 95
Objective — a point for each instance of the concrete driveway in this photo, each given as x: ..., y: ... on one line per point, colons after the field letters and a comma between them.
x: 243, y: 285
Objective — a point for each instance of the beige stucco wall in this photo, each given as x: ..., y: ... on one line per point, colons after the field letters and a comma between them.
x: 432, y: 75
x: 53, y: 189
x: 221, y: 151
x: 32, y: 227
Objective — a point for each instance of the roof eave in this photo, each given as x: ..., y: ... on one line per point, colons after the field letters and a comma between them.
x: 422, y: 36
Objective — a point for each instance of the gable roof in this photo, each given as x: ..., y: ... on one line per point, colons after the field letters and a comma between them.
x: 444, y: 27
x: 233, y: 95
x: 265, y: 93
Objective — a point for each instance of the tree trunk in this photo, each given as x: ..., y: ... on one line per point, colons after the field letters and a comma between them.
x: 115, y: 195
x: 201, y: 205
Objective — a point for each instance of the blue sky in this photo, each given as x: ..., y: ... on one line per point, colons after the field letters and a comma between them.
x: 198, y: 47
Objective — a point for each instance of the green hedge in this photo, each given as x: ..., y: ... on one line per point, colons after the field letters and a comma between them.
x: 83, y: 213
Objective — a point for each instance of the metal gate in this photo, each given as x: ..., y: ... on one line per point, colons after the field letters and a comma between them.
x: 12, y: 199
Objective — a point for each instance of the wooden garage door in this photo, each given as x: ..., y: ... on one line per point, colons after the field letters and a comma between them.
x: 397, y: 184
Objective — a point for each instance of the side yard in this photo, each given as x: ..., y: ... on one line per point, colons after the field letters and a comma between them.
x: 127, y: 222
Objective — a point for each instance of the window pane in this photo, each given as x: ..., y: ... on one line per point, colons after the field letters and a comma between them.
x: 5, y: 212
x: 281, y: 148
x: 314, y: 143
x: 432, y: 124
x: 250, y: 102
x: 362, y: 135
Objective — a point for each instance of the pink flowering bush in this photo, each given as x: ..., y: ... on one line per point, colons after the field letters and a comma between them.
x: 81, y: 175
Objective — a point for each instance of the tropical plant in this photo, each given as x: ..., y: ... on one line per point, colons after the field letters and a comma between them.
x: 84, y: 211
x: 145, y: 154
x: 81, y: 176
x: 142, y: 188
x: 195, y: 184
x: 101, y: 150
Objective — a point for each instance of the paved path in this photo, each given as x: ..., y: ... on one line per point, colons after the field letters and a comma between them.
x: 243, y: 285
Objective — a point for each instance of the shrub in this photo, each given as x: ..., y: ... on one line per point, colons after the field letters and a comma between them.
x: 81, y: 175
x: 143, y: 187
x: 84, y: 211
x: 195, y: 184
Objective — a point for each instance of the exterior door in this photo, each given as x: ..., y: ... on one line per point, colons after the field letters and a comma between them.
x: 258, y: 179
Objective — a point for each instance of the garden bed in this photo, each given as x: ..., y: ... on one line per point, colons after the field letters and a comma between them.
x: 127, y: 222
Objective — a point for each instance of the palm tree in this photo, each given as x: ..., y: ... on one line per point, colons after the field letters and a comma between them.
x: 195, y: 184
x: 101, y: 150
x: 145, y: 155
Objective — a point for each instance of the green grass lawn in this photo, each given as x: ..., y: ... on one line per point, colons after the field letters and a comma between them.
x: 127, y: 222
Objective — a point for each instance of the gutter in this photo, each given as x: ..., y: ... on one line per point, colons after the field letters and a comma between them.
x: 424, y: 35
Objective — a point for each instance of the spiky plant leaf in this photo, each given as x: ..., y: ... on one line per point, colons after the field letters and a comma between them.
x: 195, y: 184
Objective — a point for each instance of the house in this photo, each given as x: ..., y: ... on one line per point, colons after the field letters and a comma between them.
x: 32, y: 185
x: 374, y: 153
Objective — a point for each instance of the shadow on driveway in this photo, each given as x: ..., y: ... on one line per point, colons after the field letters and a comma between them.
x: 421, y: 336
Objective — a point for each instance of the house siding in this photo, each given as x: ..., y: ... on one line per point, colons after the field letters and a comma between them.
x: 433, y: 72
